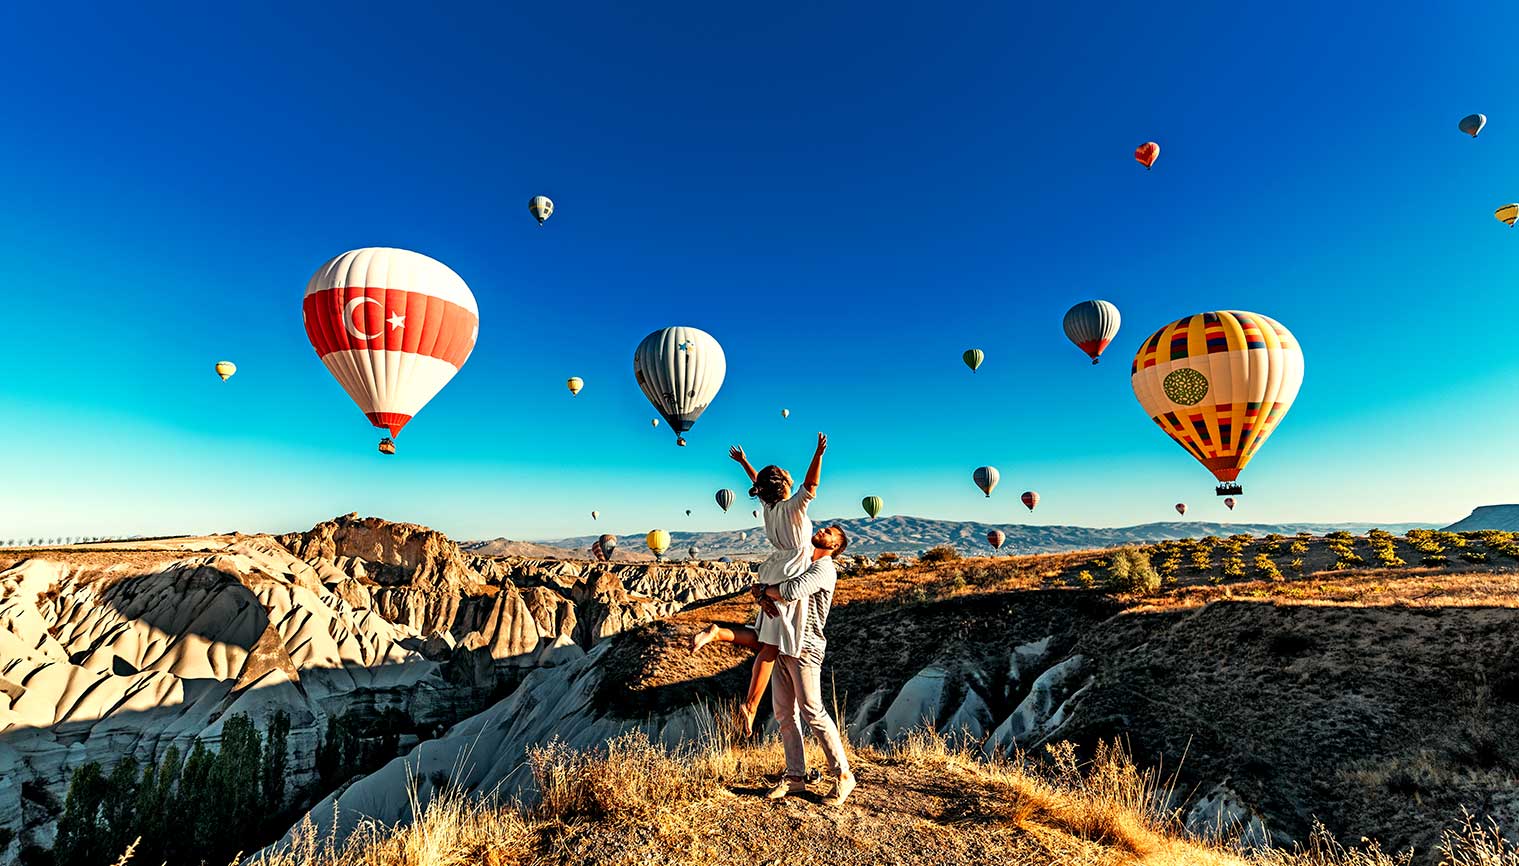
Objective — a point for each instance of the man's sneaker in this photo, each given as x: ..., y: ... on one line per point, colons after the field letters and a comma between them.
x: 841, y: 791
x: 786, y: 787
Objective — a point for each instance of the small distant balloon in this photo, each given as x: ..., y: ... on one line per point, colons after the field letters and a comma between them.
x: 653, y: 422
x: 785, y: 413
x: 595, y: 515
x: 973, y: 358
x: 1229, y: 503
x: 986, y: 478
x: 995, y: 539
x: 691, y: 551
x: 1181, y: 508
x: 225, y: 369
x: 1031, y: 499
x: 688, y: 512
x: 658, y: 541
x: 755, y: 512
x: 575, y: 383
x: 872, y: 505
x: 1473, y: 123
x: 541, y: 207
x: 1147, y: 153
x: 1507, y: 214
x: 725, y: 498
x: 608, y: 544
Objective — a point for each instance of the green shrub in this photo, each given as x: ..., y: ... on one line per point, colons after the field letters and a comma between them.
x: 1474, y: 557
x: 1296, y: 565
x: 1298, y: 548
x: 1132, y: 572
x: 1202, y: 562
x: 1086, y: 579
x: 1234, y: 566
x: 1266, y: 567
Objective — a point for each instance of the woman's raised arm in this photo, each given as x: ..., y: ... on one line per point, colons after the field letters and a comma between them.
x: 815, y: 471
x: 737, y: 453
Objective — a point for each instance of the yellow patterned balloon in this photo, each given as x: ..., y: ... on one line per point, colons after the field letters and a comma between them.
x: 658, y: 541
x: 1219, y: 383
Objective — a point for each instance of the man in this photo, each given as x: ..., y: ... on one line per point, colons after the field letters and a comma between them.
x: 796, y: 687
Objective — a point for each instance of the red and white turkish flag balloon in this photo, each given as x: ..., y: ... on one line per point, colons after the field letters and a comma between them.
x: 392, y: 326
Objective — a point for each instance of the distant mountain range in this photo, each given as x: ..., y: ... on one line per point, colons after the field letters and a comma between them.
x: 909, y: 535
x: 1504, y: 517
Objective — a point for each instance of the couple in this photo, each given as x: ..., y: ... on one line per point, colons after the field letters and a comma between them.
x: 795, y: 591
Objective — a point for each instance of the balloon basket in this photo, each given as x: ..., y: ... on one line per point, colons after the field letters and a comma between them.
x: 1230, y: 490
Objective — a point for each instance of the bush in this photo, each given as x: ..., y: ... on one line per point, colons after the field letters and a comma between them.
x: 1234, y: 566
x: 1298, y: 548
x: 941, y: 553
x: 1296, y: 565
x: 1265, y: 567
x: 1086, y: 579
x: 887, y: 560
x: 1132, y: 572
x: 1202, y: 562
x: 1473, y: 557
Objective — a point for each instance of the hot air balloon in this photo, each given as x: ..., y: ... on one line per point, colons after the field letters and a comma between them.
x: 995, y: 539
x: 872, y: 505
x: 595, y: 515
x: 725, y: 498
x: 1229, y: 503
x: 755, y: 512
x: 575, y: 383
x: 608, y: 544
x: 658, y: 541
x: 1092, y: 325
x: 387, y: 445
x: 680, y: 370
x: 541, y: 207
x: 986, y: 478
x: 392, y: 326
x: 688, y: 512
x: 1181, y: 508
x: 1030, y: 499
x: 653, y: 422
x: 1507, y: 214
x: 785, y: 413
x: 691, y: 552
x: 1147, y: 153
x: 225, y: 369
x: 973, y: 358
x: 1472, y: 124
x: 1219, y: 384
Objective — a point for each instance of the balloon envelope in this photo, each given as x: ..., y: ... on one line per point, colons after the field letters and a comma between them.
x: 1219, y: 384
x: 785, y: 413
x: 595, y: 515
x: 541, y: 207
x: 1229, y: 503
x: 608, y: 544
x: 575, y: 383
x: 658, y: 541
x: 392, y: 326
x: 872, y: 505
x: 225, y: 369
x: 725, y: 498
x: 973, y: 358
x: 1147, y: 153
x: 1181, y: 508
x: 680, y: 370
x: 1473, y: 123
x: 1030, y: 499
x: 1507, y: 214
x: 1091, y: 325
x: 986, y: 478
x: 995, y: 539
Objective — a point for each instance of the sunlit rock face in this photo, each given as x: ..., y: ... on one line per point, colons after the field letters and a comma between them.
x: 115, y: 652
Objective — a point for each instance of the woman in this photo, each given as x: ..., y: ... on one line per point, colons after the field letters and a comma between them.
x: 780, y: 625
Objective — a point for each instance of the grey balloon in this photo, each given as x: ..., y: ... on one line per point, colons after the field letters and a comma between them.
x: 725, y: 498
x: 680, y: 370
x: 1091, y: 325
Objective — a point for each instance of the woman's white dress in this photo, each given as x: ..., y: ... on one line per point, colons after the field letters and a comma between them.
x: 790, y: 532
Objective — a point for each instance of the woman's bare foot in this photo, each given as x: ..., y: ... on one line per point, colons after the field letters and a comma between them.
x: 703, y: 637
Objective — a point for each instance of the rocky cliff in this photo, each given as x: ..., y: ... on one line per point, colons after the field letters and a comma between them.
x: 108, y: 653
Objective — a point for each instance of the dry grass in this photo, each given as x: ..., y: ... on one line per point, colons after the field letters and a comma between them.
x: 924, y: 801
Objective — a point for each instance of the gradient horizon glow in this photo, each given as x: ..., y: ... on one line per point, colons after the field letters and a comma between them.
x: 846, y: 198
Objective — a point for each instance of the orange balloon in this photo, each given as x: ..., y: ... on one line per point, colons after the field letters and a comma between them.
x: 1147, y: 153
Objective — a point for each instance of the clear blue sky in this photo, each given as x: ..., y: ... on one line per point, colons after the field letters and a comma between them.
x: 847, y: 198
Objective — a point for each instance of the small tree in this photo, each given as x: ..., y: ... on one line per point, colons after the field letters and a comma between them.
x: 1130, y: 571
x: 939, y: 553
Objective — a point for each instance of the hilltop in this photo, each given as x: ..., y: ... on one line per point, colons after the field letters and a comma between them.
x: 1501, y: 517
